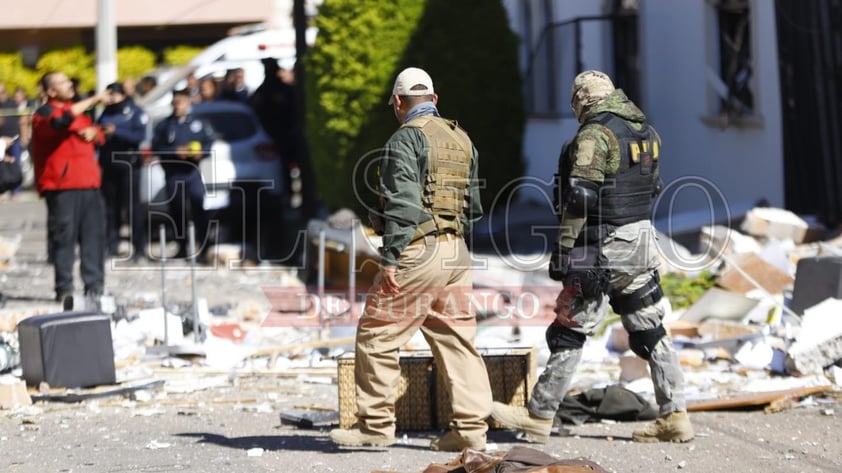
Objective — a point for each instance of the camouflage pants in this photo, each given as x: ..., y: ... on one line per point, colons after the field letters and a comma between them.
x: 632, y: 257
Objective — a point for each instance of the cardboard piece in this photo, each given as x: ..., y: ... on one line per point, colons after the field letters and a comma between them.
x: 767, y: 275
x: 774, y: 223
x: 633, y: 367
x: 13, y: 395
x: 723, y: 329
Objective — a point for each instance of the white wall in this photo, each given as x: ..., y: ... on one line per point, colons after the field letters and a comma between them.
x: 744, y: 165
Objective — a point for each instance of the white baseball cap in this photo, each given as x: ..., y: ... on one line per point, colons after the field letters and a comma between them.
x: 408, y: 81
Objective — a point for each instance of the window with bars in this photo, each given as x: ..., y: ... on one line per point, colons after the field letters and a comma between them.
x: 731, y: 69
x: 557, y: 57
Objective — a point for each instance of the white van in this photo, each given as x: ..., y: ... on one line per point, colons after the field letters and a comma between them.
x: 244, y: 48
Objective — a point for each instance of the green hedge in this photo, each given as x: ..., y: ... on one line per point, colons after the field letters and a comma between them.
x: 14, y: 74
x: 468, y: 49
x: 132, y: 61
x: 180, y: 55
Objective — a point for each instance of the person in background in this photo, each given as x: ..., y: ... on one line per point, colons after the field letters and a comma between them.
x: 25, y: 107
x: 146, y: 84
x: 425, y: 276
x: 9, y: 118
x: 192, y: 87
x: 10, y: 173
x: 124, y: 125
x: 207, y: 90
x: 67, y: 175
x: 181, y: 141
x: 606, y: 255
x: 130, y: 87
x: 234, y: 86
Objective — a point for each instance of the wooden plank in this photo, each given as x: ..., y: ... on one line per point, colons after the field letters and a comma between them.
x: 746, y: 400
x: 275, y: 351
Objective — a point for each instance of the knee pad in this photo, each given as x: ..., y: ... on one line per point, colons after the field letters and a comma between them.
x: 642, y: 342
x: 563, y: 338
x: 647, y: 295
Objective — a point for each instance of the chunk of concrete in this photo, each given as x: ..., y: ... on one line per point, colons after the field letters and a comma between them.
x: 819, y: 342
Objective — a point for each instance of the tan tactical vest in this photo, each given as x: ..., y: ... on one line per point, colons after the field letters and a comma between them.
x: 444, y: 193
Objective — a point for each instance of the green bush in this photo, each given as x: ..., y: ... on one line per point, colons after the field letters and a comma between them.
x: 75, y: 62
x: 468, y: 49
x: 180, y: 55
x: 14, y: 74
x: 683, y: 291
x: 134, y: 61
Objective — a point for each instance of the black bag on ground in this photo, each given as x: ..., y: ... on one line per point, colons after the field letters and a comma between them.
x: 10, y: 175
x: 613, y: 402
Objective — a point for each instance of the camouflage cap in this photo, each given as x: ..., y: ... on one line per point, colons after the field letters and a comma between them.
x: 589, y: 87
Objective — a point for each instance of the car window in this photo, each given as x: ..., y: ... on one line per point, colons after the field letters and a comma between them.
x: 230, y: 126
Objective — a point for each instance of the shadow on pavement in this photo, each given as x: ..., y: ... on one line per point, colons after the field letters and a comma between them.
x: 295, y: 441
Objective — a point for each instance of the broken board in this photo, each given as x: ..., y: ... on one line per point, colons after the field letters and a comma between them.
x: 749, y: 400
x: 79, y: 395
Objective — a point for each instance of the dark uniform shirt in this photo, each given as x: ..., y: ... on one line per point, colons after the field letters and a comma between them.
x: 129, y: 122
x: 174, y: 132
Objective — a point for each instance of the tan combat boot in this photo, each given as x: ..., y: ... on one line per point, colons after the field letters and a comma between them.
x: 514, y: 417
x: 454, y: 442
x: 673, y: 427
x: 354, y: 437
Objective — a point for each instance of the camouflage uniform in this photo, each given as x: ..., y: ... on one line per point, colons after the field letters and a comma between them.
x: 627, y: 257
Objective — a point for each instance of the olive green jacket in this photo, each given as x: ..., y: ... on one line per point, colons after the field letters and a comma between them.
x: 403, y: 167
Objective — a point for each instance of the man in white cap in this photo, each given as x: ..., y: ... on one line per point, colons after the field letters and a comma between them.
x: 606, y: 255
x: 429, y: 199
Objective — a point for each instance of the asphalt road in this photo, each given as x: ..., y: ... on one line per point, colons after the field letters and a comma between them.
x: 235, y: 426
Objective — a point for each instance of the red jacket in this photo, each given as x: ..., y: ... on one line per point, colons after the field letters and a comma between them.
x: 62, y: 159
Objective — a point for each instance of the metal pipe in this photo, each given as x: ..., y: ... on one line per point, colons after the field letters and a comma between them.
x: 352, y: 268
x: 321, y: 283
x: 191, y: 235
x: 162, y: 234
x: 321, y: 280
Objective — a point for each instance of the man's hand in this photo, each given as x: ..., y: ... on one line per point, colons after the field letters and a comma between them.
x: 388, y: 282
x: 88, y: 134
x: 559, y: 264
x: 564, y: 306
x: 108, y: 129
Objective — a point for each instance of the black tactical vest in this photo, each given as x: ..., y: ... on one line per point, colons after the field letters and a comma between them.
x: 626, y: 196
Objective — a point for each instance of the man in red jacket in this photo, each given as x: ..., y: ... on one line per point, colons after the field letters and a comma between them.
x: 67, y: 175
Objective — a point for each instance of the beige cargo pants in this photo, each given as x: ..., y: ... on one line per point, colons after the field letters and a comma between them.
x: 435, y: 278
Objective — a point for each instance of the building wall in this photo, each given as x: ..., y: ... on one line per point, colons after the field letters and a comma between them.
x: 36, y: 26
x: 744, y: 163
x: 727, y: 169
